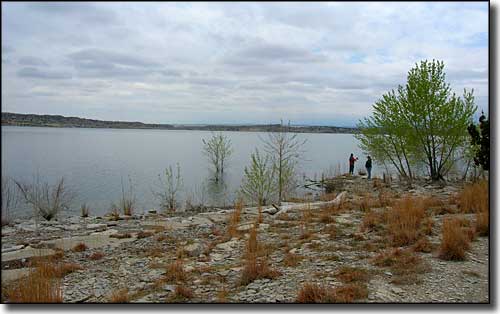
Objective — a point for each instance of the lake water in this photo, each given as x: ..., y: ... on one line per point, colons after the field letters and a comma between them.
x: 94, y: 162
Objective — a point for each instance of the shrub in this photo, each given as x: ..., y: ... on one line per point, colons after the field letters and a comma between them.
x: 84, y: 210
x: 474, y: 197
x: 175, y: 272
x: 144, y: 234
x: 96, y: 256
x: 404, y: 221
x: 482, y: 223
x: 291, y: 260
x: 454, y: 241
x: 255, y: 269
x: 313, y: 293
x: 120, y: 296
x: 41, y: 285
x: 80, y: 247
x: 351, y: 274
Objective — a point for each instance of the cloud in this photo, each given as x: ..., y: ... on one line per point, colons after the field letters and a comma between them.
x: 30, y: 60
x: 239, y: 62
x: 32, y: 72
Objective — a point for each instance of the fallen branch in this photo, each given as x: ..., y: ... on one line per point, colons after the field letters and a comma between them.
x: 298, y: 206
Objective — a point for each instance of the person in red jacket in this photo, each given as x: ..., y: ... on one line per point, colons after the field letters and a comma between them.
x: 352, y: 160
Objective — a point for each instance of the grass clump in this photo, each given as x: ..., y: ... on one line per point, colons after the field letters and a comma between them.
x: 120, y: 296
x: 404, y: 221
x: 474, y: 197
x: 80, y: 247
x: 454, y: 241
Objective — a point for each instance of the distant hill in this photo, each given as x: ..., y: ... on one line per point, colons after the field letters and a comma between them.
x: 18, y: 119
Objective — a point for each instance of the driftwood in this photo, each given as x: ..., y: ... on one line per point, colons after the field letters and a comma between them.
x: 298, y: 206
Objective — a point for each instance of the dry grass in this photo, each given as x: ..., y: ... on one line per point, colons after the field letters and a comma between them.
x: 292, y: 260
x: 181, y: 294
x: 482, y: 223
x: 454, y: 240
x: 96, y: 256
x: 260, y: 219
x: 144, y: 234
x: 234, y: 220
x: 42, y: 285
x: 404, y: 265
x: 119, y: 296
x: 423, y: 245
x: 80, y: 247
x: 313, y: 293
x: 351, y: 274
x: 175, y: 272
x: 385, y: 198
x: 222, y: 295
x: 404, y: 221
x: 252, y: 246
x: 474, y: 198
x: 121, y: 235
x: 372, y: 221
x: 255, y: 269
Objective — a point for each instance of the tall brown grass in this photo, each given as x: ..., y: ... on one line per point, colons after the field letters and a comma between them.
x: 175, y: 272
x: 234, y: 219
x: 474, y: 197
x: 404, y: 221
x: 43, y: 284
x: 120, y: 296
x: 313, y: 293
x: 455, y: 241
x: 482, y: 223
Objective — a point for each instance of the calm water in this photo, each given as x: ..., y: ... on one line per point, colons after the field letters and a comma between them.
x: 95, y: 161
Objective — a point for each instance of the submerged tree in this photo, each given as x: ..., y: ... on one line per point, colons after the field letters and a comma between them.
x: 46, y: 200
x: 285, y: 149
x: 168, y: 188
x: 422, y: 123
x: 10, y: 198
x: 218, y: 149
x: 258, y: 181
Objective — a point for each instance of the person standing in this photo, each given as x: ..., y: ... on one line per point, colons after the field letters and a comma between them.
x: 352, y: 160
x: 368, y: 166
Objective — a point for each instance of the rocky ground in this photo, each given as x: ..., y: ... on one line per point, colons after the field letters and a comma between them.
x: 131, y: 258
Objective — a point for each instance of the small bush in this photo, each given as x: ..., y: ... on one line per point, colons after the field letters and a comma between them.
x: 84, y: 210
x: 404, y: 221
x: 144, y: 234
x: 351, y: 274
x: 96, y: 256
x: 292, y: 260
x: 175, y: 272
x: 41, y: 285
x: 120, y: 296
x: 454, y: 241
x: 255, y: 269
x: 474, y: 198
x: 313, y: 293
x: 80, y: 247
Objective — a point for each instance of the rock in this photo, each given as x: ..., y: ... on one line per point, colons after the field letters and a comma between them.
x: 27, y: 252
x: 70, y: 227
x: 245, y: 227
x: 170, y: 288
x: 397, y: 290
x: 97, y: 226
x: 193, y: 249
x: 226, y: 246
x: 12, y: 248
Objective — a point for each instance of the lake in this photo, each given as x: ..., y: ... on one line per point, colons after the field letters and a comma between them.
x: 94, y: 162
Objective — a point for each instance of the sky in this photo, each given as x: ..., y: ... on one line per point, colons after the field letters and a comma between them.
x: 317, y: 63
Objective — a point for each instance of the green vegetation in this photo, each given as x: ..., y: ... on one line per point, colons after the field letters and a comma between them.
x: 422, y: 123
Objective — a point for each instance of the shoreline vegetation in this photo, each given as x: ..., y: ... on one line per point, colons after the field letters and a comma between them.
x: 58, y: 121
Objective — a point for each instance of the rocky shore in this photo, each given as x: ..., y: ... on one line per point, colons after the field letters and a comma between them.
x: 132, y: 256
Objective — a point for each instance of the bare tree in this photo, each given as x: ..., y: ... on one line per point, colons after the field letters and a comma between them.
x: 45, y: 199
x: 258, y: 182
x: 285, y: 149
x: 168, y: 188
x: 10, y: 198
x: 218, y: 149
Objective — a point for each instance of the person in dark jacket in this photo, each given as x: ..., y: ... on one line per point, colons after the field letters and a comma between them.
x: 368, y: 166
x: 352, y: 160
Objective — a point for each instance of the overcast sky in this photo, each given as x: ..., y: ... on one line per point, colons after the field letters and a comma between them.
x: 311, y: 63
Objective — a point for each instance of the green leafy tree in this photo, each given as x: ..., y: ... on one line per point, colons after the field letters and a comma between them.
x: 218, y: 149
x: 480, y: 140
x: 258, y: 182
x: 422, y: 123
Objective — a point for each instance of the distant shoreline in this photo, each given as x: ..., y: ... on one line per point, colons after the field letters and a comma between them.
x: 58, y: 121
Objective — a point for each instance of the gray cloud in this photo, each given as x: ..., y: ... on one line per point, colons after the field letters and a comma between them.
x: 32, y: 72
x: 241, y: 62
x: 30, y: 60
